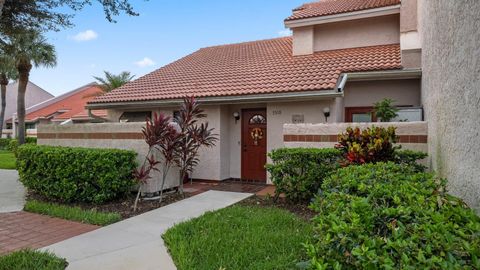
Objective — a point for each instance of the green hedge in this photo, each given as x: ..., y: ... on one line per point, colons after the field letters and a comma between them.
x: 12, y: 144
x: 76, y: 174
x: 388, y: 216
x: 299, y: 172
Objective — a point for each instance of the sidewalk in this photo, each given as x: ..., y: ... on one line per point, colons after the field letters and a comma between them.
x: 12, y: 193
x: 136, y: 243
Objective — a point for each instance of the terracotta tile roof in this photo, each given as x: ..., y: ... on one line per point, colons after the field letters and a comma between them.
x: 331, y: 7
x: 64, y: 107
x: 257, y: 67
x: 84, y: 114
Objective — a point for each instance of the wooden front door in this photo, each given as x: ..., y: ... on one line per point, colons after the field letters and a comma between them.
x: 254, y: 144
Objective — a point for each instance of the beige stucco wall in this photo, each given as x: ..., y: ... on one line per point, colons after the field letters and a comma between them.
x: 364, y: 93
x: 302, y: 40
x: 451, y: 92
x: 402, y: 128
x: 357, y: 33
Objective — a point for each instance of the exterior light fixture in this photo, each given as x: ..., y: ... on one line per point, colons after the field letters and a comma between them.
x: 326, y: 113
x: 236, y: 115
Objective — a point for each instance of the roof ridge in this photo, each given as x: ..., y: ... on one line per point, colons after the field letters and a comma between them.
x: 246, y: 42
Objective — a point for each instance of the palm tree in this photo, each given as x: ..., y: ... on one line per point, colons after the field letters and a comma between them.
x: 7, y: 72
x: 28, y: 49
x: 112, y: 81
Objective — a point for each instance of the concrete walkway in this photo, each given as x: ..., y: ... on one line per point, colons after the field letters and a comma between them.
x: 136, y: 243
x: 12, y: 193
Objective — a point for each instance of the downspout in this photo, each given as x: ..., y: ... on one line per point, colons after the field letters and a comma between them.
x: 342, y: 83
x: 97, y: 119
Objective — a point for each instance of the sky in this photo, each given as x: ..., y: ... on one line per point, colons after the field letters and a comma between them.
x: 165, y: 31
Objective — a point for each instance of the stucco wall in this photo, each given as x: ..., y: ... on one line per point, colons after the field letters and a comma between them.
x: 451, y: 92
x: 357, y: 33
x: 404, y: 92
x: 412, y: 134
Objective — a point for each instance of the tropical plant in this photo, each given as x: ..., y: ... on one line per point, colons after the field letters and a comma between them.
x: 192, y: 137
x: 178, y: 142
x: 369, y: 145
x: 8, y: 71
x: 28, y: 49
x: 384, y: 110
x: 112, y: 81
x: 160, y: 136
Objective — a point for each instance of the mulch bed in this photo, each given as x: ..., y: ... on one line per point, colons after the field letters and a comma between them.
x: 300, y: 210
x: 122, y: 206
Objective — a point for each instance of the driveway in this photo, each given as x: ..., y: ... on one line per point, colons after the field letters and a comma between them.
x: 12, y: 193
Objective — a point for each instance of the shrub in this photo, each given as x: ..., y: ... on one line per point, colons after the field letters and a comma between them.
x: 410, y: 158
x: 76, y: 174
x: 12, y: 144
x: 384, y: 110
x: 4, y: 142
x: 369, y: 145
x: 299, y: 172
x: 388, y: 216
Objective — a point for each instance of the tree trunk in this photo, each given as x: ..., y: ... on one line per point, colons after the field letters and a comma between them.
x: 22, y: 89
x: 3, y: 86
x: 2, y: 2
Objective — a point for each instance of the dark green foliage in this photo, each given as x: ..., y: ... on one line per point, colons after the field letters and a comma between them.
x: 4, y: 143
x: 387, y: 216
x: 31, y: 260
x: 12, y: 144
x: 76, y: 174
x: 411, y: 158
x: 299, y: 172
x: 239, y: 238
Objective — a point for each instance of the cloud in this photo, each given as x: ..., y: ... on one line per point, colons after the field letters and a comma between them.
x: 85, y: 36
x: 145, y: 62
x: 285, y: 33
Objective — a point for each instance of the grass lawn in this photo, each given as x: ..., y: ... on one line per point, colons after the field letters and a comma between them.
x: 7, y: 160
x: 32, y: 260
x: 239, y: 237
x: 72, y: 213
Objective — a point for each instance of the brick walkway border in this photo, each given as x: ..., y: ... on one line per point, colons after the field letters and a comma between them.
x: 19, y: 230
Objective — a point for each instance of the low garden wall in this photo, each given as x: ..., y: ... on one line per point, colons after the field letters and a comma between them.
x: 126, y: 136
x: 412, y: 135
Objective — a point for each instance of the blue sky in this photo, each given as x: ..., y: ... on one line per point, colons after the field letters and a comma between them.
x: 165, y: 31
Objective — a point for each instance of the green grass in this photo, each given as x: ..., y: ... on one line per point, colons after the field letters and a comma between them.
x: 239, y: 237
x: 31, y: 260
x: 72, y: 213
x: 7, y: 160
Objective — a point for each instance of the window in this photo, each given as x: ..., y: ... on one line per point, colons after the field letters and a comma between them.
x: 135, y: 116
x: 359, y: 114
x: 30, y: 126
x: 257, y: 119
x: 176, y: 115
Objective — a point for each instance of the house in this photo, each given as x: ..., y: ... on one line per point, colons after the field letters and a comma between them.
x: 343, y: 56
x: 64, y: 109
x: 34, y: 95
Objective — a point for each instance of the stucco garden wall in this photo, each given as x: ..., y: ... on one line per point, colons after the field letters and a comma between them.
x: 451, y: 92
x: 412, y: 135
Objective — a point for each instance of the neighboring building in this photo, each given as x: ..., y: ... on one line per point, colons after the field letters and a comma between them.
x: 344, y: 55
x: 451, y: 91
x: 34, y: 95
x: 64, y: 109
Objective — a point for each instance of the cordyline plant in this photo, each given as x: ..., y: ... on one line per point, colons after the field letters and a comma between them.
x: 178, y: 142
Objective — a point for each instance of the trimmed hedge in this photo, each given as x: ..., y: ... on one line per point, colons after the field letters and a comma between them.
x: 12, y: 144
x: 76, y: 174
x: 388, y: 216
x: 299, y: 172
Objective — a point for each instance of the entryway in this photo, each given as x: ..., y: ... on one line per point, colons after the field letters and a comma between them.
x: 254, y: 144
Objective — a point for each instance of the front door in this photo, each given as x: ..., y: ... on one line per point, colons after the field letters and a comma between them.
x: 254, y: 144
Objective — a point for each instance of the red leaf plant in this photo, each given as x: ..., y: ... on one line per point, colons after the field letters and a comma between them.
x: 177, y: 140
